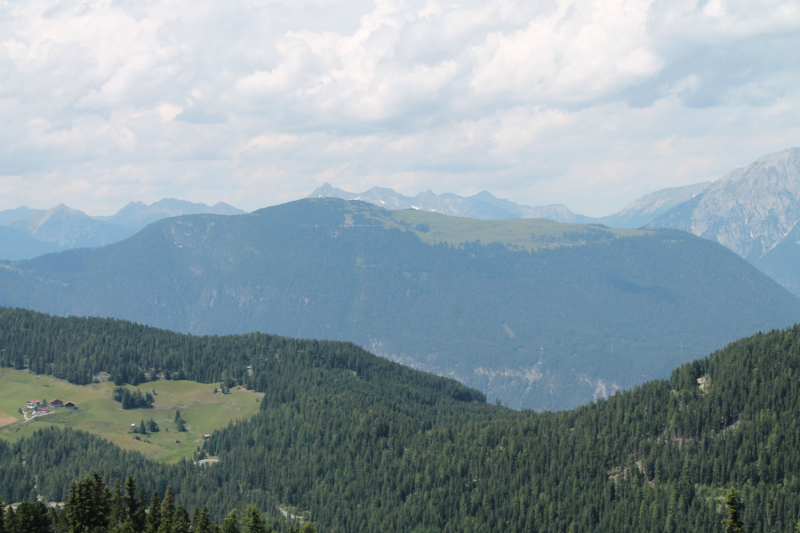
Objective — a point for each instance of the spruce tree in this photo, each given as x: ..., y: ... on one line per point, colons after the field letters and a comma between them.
x: 142, y: 428
x: 154, y: 514
x: 231, y: 523
x: 139, y: 520
x: 2, y: 516
x: 253, y: 523
x: 73, y: 508
x: 11, y: 520
x: 732, y: 523
x: 167, y: 512
x: 180, y: 520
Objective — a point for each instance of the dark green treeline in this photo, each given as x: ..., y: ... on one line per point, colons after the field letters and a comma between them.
x: 94, y: 507
x: 363, y: 445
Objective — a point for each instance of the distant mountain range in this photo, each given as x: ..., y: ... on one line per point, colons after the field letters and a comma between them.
x: 26, y: 233
x: 754, y: 211
x: 591, y: 311
x: 485, y: 205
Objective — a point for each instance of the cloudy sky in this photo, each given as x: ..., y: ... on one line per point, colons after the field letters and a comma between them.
x: 590, y: 103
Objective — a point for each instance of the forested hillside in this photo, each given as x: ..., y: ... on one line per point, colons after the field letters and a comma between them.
x: 358, y: 443
x: 95, y: 507
x: 549, y: 316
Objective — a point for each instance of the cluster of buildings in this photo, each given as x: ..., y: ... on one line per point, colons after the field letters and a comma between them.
x: 39, y: 408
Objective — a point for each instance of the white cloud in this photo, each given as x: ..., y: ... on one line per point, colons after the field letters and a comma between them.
x: 585, y: 102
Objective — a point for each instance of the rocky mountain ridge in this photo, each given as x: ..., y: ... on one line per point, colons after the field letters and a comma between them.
x: 486, y: 206
x: 28, y: 233
x: 754, y: 210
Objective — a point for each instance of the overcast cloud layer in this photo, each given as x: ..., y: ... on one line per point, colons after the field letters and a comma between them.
x: 587, y: 103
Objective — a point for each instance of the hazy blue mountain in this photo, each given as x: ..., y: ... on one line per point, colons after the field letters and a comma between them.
x: 485, y: 205
x: 555, y: 316
x: 643, y: 210
x: 137, y: 215
x: 66, y: 228
x: 20, y: 212
x: 16, y: 245
x: 28, y: 233
x: 754, y: 211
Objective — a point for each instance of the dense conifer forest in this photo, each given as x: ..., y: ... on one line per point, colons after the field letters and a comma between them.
x: 94, y: 507
x: 357, y: 443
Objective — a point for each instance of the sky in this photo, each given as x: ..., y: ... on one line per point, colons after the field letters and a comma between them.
x: 588, y: 103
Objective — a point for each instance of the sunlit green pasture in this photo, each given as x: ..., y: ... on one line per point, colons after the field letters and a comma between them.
x: 98, y: 413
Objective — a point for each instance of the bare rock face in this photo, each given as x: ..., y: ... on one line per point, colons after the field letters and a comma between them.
x: 648, y: 207
x: 749, y: 210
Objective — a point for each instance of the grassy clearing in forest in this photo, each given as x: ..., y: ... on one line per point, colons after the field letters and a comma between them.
x: 98, y: 413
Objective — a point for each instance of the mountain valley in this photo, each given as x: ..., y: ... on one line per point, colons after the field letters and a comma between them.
x: 554, y: 317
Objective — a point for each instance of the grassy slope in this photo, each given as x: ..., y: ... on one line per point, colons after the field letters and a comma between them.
x: 98, y: 413
x: 524, y: 233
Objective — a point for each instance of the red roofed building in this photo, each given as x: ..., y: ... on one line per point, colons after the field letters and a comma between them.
x: 33, y: 404
x: 70, y: 405
x: 56, y: 403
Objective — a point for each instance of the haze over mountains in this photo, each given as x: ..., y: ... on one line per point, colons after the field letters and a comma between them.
x: 485, y: 205
x: 27, y: 233
x: 590, y: 311
x: 754, y: 211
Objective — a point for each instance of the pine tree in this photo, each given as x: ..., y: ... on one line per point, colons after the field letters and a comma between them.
x: 118, y: 515
x: 167, y: 512
x: 11, y: 520
x: 231, y: 523
x: 139, y: 520
x: 732, y: 523
x: 73, y: 508
x: 203, y: 523
x: 180, y: 520
x: 253, y: 523
x: 129, y: 501
x: 177, y: 415
x: 142, y: 428
x: 154, y: 515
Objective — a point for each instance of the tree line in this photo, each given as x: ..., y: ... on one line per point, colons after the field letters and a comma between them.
x: 95, y: 507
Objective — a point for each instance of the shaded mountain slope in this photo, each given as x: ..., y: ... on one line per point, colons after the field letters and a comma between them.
x: 361, y: 444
